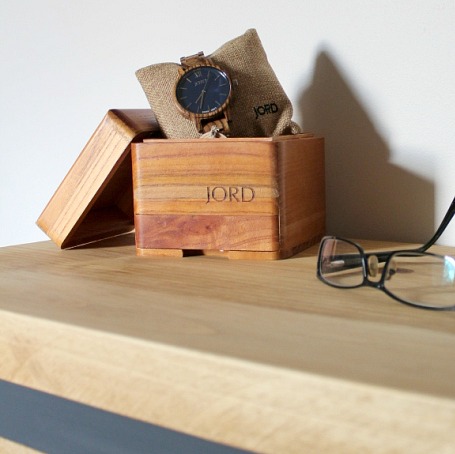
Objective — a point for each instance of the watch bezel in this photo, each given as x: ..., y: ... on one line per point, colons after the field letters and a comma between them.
x: 204, y: 115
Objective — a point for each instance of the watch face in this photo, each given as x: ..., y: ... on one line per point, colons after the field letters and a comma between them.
x: 203, y: 90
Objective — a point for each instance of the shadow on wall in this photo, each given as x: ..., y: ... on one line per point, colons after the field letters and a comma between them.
x: 367, y: 197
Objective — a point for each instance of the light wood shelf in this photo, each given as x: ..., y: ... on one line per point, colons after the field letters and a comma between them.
x: 258, y: 355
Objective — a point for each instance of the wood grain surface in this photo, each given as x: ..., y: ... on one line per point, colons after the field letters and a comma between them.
x: 259, y: 355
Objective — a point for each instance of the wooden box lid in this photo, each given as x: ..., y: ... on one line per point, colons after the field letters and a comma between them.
x: 95, y: 199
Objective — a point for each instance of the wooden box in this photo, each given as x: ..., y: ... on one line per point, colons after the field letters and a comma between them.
x: 260, y: 198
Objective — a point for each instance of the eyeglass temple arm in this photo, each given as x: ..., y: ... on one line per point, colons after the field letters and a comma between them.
x: 351, y: 261
x: 382, y: 256
x: 444, y: 223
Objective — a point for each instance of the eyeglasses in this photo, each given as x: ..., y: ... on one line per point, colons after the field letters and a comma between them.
x: 411, y: 276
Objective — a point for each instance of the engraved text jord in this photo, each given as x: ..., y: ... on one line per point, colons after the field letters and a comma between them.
x: 230, y: 194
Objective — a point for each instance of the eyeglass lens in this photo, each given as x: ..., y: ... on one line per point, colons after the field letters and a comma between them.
x: 341, y: 263
x: 422, y: 279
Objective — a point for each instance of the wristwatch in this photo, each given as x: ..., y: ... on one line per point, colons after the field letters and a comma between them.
x: 202, y: 93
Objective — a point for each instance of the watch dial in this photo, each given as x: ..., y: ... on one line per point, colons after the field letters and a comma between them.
x: 203, y: 90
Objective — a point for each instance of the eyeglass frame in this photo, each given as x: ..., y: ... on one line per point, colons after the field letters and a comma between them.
x: 385, y: 257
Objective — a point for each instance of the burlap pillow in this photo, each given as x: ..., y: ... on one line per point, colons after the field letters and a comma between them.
x: 259, y: 106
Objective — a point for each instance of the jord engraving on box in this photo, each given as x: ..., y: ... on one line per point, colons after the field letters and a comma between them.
x: 230, y: 194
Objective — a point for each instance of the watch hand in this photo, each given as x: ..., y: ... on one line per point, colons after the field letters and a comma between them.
x: 206, y: 82
x: 204, y: 91
x: 201, y: 98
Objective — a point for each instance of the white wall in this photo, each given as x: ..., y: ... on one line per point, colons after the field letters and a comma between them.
x: 376, y: 78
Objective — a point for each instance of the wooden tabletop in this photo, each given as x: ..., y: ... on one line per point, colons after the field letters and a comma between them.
x: 255, y: 354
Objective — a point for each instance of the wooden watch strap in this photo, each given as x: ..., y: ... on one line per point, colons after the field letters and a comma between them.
x: 193, y: 60
x: 221, y: 124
